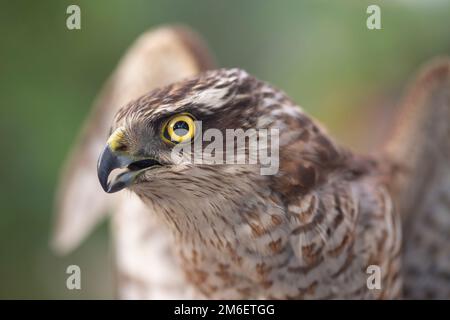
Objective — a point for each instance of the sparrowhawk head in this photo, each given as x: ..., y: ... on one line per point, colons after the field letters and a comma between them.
x: 153, y: 143
x: 146, y: 131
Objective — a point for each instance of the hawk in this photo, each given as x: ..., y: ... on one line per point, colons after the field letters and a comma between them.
x: 312, y: 230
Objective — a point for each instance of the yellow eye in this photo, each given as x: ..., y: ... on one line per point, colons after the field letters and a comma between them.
x: 180, y: 128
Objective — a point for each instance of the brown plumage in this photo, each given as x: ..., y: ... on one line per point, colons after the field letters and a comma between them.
x: 309, y: 231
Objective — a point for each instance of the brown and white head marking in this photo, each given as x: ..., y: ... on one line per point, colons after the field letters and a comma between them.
x: 195, y: 197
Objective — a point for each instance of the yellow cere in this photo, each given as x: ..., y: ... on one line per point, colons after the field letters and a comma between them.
x: 188, y: 120
x: 115, y: 141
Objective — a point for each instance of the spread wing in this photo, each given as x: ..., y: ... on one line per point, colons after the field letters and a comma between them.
x: 158, y: 57
x: 419, y: 178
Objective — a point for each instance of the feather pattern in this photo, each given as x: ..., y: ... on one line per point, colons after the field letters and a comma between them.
x: 311, y: 230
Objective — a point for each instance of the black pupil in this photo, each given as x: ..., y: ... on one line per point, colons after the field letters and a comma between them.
x: 181, y: 128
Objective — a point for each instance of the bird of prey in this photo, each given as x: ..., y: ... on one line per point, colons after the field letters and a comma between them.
x: 312, y: 230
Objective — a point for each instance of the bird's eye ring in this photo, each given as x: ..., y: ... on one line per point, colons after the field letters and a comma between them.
x: 179, y: 129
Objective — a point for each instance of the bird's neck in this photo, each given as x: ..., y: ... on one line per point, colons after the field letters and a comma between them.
x: 222, y: 254
x: 226, y: 234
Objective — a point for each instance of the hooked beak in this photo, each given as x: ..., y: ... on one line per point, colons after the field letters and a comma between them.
x: 110, y: 160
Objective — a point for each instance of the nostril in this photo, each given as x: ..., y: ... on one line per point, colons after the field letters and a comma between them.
x: 121, y: 147
x: 142, y: 164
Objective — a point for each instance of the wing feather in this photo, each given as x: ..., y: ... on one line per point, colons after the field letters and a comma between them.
x: 419, y: 179
x: 158, y: 57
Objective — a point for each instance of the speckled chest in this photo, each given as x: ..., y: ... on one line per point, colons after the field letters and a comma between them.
x: 317, y: 246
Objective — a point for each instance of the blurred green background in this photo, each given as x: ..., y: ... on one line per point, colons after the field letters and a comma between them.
x: 319, y: 52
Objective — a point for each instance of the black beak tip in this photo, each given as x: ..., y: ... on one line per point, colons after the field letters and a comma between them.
x: 103, y: 178
x: 107, y: 162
